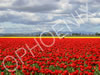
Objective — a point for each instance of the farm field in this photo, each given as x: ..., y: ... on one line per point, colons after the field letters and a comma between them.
x: 35, y: 56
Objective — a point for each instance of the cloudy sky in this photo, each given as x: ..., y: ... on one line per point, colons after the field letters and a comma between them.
x: 26, y: 16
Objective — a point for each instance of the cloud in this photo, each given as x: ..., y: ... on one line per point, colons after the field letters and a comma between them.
x: 29, y: 5
x: 6, y: 3
x: 18, y: 17
x: 41, y: 14
x: 1, y: 30
x: 95, y: 20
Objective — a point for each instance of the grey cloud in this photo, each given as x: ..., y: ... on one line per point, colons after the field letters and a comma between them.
x: 43, y: 8
x: 40, y: 6
x: 33, y: 5
x: 15, y: 19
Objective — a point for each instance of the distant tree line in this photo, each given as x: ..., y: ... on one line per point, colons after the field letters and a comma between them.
x: 72, y: 34
x: 54, y: 34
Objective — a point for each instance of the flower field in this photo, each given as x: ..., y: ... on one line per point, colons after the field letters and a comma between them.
x: 67, y: 56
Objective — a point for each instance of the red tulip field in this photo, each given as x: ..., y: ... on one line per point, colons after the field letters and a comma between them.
x: 66, y: 56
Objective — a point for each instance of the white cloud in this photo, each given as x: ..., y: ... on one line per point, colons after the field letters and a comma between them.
x: 95, y: 20
x: 6, y: 3
x: 82, y: 1
x: 63, y: 6
x: 1, y: 30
